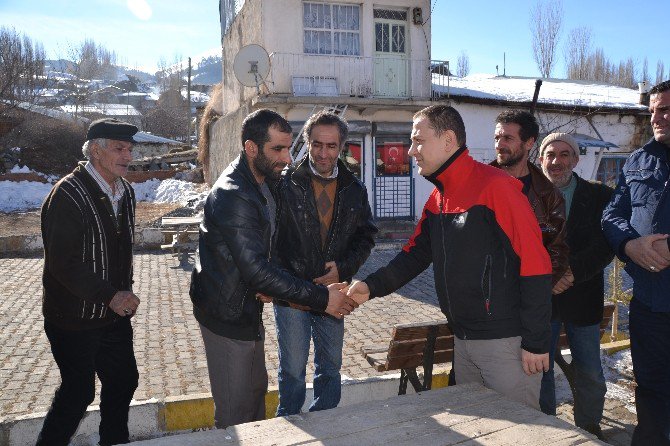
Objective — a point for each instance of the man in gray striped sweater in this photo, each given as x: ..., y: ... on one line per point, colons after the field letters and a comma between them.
x: 88, y: 220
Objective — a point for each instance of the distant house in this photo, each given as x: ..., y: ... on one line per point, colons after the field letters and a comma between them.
x: 147, y: 145
x: 368, y: 58
x: 124, y: 112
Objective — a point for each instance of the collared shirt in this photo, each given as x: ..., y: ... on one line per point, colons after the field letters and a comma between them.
x: 330, y: 177
x: 114, y: 195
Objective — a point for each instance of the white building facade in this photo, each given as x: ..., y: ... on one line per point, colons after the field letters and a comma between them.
x: 374, y: 60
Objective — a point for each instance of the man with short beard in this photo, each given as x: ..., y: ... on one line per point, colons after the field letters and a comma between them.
x: 578, y: 297
x: 515, y: 135
x: 233, y: 264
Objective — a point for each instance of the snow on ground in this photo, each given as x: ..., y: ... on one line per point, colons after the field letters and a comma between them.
x: 618, y: 370
x: 171, y: 191
x: 18, y: 196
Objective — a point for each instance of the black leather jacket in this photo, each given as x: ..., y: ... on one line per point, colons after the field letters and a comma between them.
x: 233, y: 260
x: 350, y: 238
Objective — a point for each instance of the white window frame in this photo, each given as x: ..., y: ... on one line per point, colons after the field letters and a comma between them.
x: 332, y: 31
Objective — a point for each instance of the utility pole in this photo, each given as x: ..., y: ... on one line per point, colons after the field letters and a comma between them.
x: 188, y: 135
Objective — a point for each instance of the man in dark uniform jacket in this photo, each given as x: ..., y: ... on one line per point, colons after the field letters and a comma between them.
x: 88, y: 221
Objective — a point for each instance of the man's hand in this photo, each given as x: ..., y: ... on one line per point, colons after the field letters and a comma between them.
x: 641, y: 251
x: 564, y: 282
x: 339, y: 304
x: 359, y: 291
x: 661, y: 248
x: 332, y: 275
x: 124, y: 303
x: 533, y: 363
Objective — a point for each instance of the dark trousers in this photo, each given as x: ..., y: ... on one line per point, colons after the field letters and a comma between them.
x: 650, y: 350
x: 80, y: 355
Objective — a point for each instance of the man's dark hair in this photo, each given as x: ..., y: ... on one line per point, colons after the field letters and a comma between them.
x: 326, y: 118
x: 660, y: 88
x: 443, y: 118
x: 527, y: 122
x: 256, y: 126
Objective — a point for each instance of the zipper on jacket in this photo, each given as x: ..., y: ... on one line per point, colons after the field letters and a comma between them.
x: 486, y: 284
x: 444, y: 262
x: 333, y: 225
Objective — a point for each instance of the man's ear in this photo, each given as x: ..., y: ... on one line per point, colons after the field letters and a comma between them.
x: 250, y: 148
x: 450, y: 141
x: 528, y: 145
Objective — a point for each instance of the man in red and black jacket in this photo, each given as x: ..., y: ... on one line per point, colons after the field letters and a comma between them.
x: 492, y: 273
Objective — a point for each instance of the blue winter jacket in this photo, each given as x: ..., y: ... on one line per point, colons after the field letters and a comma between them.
x: 641, y: 206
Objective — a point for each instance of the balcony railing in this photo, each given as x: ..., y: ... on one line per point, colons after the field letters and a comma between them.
x: 355, y: 76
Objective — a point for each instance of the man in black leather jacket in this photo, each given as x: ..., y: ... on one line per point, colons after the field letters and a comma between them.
x: 233, y: 264
x: 325, y: 235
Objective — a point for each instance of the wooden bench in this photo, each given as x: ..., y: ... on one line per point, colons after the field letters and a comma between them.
x: 181, y: 229
x: 430, y: 343
x: 411, y: 346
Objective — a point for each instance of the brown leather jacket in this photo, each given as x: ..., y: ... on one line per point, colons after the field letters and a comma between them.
x: 549, y: 207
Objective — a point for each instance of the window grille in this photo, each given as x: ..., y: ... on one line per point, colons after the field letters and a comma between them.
x: 390, y: 14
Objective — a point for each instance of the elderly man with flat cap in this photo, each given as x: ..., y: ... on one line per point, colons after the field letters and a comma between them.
x: 88, y: 220
x: 578, y: 297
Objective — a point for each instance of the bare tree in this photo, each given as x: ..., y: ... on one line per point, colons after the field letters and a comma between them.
x: 546, y: 19
x: 660, y: 72
x: 463, y: 65
x: 21, y: 67
x: 645, y: 71
x: 578, y: 56
x: 92, y: 61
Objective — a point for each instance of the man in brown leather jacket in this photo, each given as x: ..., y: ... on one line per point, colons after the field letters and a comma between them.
x: 515, y: 135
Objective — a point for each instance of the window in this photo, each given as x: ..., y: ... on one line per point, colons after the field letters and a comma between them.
x: 331, y: 29
x: 391, y: 156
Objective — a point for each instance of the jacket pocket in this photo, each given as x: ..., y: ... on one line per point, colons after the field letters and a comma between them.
x: 641, y: 185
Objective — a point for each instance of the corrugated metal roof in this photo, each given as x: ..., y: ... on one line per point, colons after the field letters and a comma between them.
x: 148, y: 138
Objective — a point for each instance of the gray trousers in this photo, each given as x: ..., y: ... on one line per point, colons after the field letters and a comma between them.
x: 496, y: 364
x: 238, y: 378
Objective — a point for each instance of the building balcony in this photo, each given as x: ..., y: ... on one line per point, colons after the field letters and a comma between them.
x: 370, y: 78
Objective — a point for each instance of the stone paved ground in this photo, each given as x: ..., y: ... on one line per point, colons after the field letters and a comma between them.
x: 168, y: 345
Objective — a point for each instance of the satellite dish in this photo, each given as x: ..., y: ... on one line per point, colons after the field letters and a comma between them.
x: 251, y: 65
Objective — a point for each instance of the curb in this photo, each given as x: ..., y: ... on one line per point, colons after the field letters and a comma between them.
x: 145, y: 238
x: 157, y: 418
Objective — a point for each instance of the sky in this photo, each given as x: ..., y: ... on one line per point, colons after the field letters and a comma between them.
x: 142, y: 32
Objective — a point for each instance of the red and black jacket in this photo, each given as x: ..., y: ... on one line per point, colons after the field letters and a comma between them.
x: 492, y: 273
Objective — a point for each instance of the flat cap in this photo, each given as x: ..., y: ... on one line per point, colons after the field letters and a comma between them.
x: 110, y: 128
x: 564, y: 137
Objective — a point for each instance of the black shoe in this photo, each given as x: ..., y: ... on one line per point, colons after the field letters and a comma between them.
x: 595, y: 430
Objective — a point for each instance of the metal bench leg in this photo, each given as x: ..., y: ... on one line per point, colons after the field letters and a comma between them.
x: 402, y: 389
x: 411, y: 376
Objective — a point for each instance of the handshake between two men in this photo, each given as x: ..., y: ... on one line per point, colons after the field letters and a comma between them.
x: 343, y: 298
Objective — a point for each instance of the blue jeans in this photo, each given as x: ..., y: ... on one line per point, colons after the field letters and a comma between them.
x: 650, y: 350
x: 589, y: 381
x: 295, y: 328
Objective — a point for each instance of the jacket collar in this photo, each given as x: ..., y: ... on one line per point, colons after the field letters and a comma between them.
x: 301, y: 175
x: 657, y: 149
x: 454, y: 171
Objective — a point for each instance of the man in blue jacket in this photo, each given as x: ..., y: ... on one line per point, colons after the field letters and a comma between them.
x: 636, y: 224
